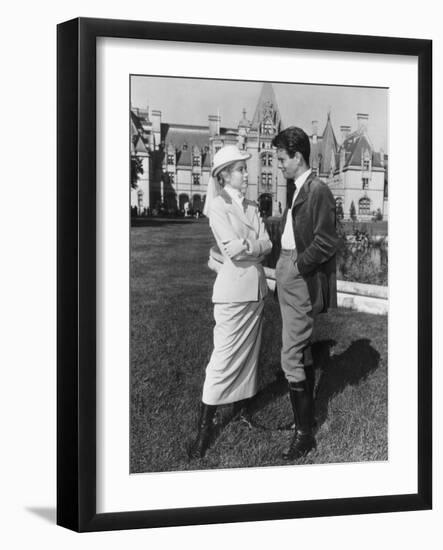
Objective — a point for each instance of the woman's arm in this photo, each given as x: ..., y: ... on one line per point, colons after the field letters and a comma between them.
x: 263, y: 244
x: 229, y: 243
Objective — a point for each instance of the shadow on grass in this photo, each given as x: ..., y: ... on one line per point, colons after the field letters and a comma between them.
x: 333, y: 374
x: 339, y: 371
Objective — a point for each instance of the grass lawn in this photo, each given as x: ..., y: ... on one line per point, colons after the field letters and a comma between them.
x: 171, y: 342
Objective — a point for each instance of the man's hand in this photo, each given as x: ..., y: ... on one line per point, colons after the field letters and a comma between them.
x: 234, y: 247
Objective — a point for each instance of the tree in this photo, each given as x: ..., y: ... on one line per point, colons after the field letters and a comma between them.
x: 136, y: 170
x: 352, y: 212
x: 377, y: 216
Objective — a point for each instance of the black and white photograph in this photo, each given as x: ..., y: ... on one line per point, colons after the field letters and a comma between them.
x: 220, y: 294
x: 259, y: 216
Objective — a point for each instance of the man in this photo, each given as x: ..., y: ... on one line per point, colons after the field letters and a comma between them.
x: 306, y: 277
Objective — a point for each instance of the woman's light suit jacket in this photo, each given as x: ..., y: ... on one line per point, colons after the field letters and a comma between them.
x: 241, y: 279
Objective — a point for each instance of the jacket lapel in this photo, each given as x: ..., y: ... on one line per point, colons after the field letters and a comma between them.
x: 303, y: 193
x: 236, y: 210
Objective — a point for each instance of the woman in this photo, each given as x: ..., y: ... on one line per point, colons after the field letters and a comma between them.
x: 239, y: 290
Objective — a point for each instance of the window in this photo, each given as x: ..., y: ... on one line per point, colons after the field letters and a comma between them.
x: 266, y: 181
x: 196, y: 179
x: 366, y: 164
x: 171, y: 158
x: 364, y: 206
x: 171, y: 177
x: 267, y: 128
x: 266, y: 159
x: 365, y: 183
x: 196, y: 160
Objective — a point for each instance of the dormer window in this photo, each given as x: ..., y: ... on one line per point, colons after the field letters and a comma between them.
x: 366, y: 164
x: 196, y: 160
x: 171, y: 158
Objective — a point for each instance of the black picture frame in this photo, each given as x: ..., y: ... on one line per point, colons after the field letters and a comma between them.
x: 76, y: 279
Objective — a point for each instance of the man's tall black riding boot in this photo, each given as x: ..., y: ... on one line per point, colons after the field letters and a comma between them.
x: 200, y: 444
x: 302, y: 401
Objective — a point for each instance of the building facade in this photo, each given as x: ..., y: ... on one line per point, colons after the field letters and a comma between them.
x: 176, y: 161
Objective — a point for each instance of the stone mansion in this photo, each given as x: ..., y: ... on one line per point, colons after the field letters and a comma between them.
x: 176, y: 160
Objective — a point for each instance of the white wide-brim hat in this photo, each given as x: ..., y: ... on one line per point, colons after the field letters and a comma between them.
x: 227, y: 155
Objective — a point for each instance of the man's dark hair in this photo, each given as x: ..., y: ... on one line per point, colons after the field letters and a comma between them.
x: 293, y: 139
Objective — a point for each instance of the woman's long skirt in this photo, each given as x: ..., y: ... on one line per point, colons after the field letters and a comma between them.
x: 231, y: 374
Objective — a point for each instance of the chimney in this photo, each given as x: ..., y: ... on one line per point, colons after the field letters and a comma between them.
x: 345, y: 131
x: 156, y: 120
x: 143, y: 113
x: 362, y: 121
x: 214, y: 125
x: 315, y: 127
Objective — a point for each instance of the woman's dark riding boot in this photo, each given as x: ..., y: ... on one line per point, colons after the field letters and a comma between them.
x: 201, y: 443
x: 302, y: 401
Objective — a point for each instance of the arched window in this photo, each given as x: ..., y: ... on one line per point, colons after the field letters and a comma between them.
x: 197, y: 202
x: 364, y: 206
x: 182, y: 200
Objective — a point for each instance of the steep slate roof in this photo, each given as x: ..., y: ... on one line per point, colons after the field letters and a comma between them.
x: 139, y: 146
x: 328, y: 148
x: 135, y: 121
x: 267, y: 95
x: 184, y: 158
x: 179, y: 134
x: 354, y: 145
